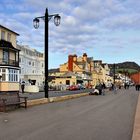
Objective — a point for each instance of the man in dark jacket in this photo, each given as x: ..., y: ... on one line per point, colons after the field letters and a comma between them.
x: 22, y: 86
x: 99, y: 87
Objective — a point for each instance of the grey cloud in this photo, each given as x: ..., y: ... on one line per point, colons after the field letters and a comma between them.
x: 122, y: 22
x: 84, y: 23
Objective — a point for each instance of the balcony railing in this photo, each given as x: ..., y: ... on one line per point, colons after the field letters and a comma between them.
x: 9, y: 62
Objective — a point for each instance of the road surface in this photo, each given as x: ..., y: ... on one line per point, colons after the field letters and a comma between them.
x: 108, y: 117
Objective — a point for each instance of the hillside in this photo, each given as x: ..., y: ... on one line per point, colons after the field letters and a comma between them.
x: 131, y: 67
x: 53, y: 70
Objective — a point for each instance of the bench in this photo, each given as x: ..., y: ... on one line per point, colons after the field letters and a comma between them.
x: 9, y: 100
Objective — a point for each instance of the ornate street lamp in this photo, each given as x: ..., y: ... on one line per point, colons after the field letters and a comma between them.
x: 36, y: 21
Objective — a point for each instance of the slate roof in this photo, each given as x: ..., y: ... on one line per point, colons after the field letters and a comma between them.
x: 7, y: 45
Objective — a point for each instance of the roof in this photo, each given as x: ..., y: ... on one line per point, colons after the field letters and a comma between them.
x: 69, y: 73
x: 7, y: 45
x: 83, y: 64
x: 8, y: 29
x: 89, y: 59
x: 97, y: 60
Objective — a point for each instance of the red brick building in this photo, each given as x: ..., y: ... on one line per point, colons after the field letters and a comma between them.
x: 136, y: 78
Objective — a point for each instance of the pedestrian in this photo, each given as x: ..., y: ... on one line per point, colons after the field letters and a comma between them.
x: 103, y: 88
x: 137, y: 87
x: 22, y: 86
x: 100, y: 88
x: 125, y: 85
x: 112, y: 86
x: 115, y: 89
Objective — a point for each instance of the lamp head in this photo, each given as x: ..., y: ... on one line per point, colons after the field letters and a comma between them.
x: 57, y: 19
x: 36, y: 23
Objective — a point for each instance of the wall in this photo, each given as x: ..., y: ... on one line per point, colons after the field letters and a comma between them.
x: 64, y: 67
x: 7, y: 86
x: 13, y: 40
x: 63, y: 80
x: 12, y: 55
x: 136, y: 78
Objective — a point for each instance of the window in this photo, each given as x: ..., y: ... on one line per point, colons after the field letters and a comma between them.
x: 3, y: 35
x: 29, y: 62
x: 5, y: 56
x: 13, y: 75
x: 33, y: 63
x: 3, y: 74
x: 67, y: 82
x: 9, y: 37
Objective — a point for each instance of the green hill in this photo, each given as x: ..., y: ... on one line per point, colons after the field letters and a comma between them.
x: 130, y: 67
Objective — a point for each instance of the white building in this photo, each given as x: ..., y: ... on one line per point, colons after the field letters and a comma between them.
x: 32, y: 64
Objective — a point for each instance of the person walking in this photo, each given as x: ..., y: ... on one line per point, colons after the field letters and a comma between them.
x: 22, y: 86
x: 103, y: 88
x: 100, y: 88
x: 137, y: 87
x: 112, y: 86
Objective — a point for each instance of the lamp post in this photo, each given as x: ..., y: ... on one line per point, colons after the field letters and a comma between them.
x: 46, y: 18
x: 114, y: 73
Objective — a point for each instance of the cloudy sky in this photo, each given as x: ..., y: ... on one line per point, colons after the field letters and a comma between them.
x: 108, y: 30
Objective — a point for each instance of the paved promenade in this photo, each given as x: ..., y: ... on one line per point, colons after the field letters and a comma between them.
x: 108, y: 117
x: 136, y: 129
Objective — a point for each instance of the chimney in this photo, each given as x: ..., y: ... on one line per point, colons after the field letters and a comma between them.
x: 84, y: 57
x: 74, y: 57
x: 70, y: 63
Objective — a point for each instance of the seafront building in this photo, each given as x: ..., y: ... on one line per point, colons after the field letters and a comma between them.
x: 101, y: 72
x: 9, y: 60
x: 31, y: 63
x: 78, y: 70
x: 81, y: 70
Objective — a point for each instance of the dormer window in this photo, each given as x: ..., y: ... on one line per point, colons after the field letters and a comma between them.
x: 3, y: 35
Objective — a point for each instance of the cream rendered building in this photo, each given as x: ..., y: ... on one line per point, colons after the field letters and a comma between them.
x: 83, y: 70
x: 9, y: 61
x: 102, y: 72
x: 78, y: 70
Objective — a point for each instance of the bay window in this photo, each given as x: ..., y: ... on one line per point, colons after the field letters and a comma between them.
x: 9, y: 75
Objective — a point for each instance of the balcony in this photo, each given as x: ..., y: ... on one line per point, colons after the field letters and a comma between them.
x: 9, y: 63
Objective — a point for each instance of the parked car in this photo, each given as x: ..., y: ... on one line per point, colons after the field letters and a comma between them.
x: 74, y: 87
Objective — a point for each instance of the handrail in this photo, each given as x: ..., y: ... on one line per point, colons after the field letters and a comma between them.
x: 9, y: 62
